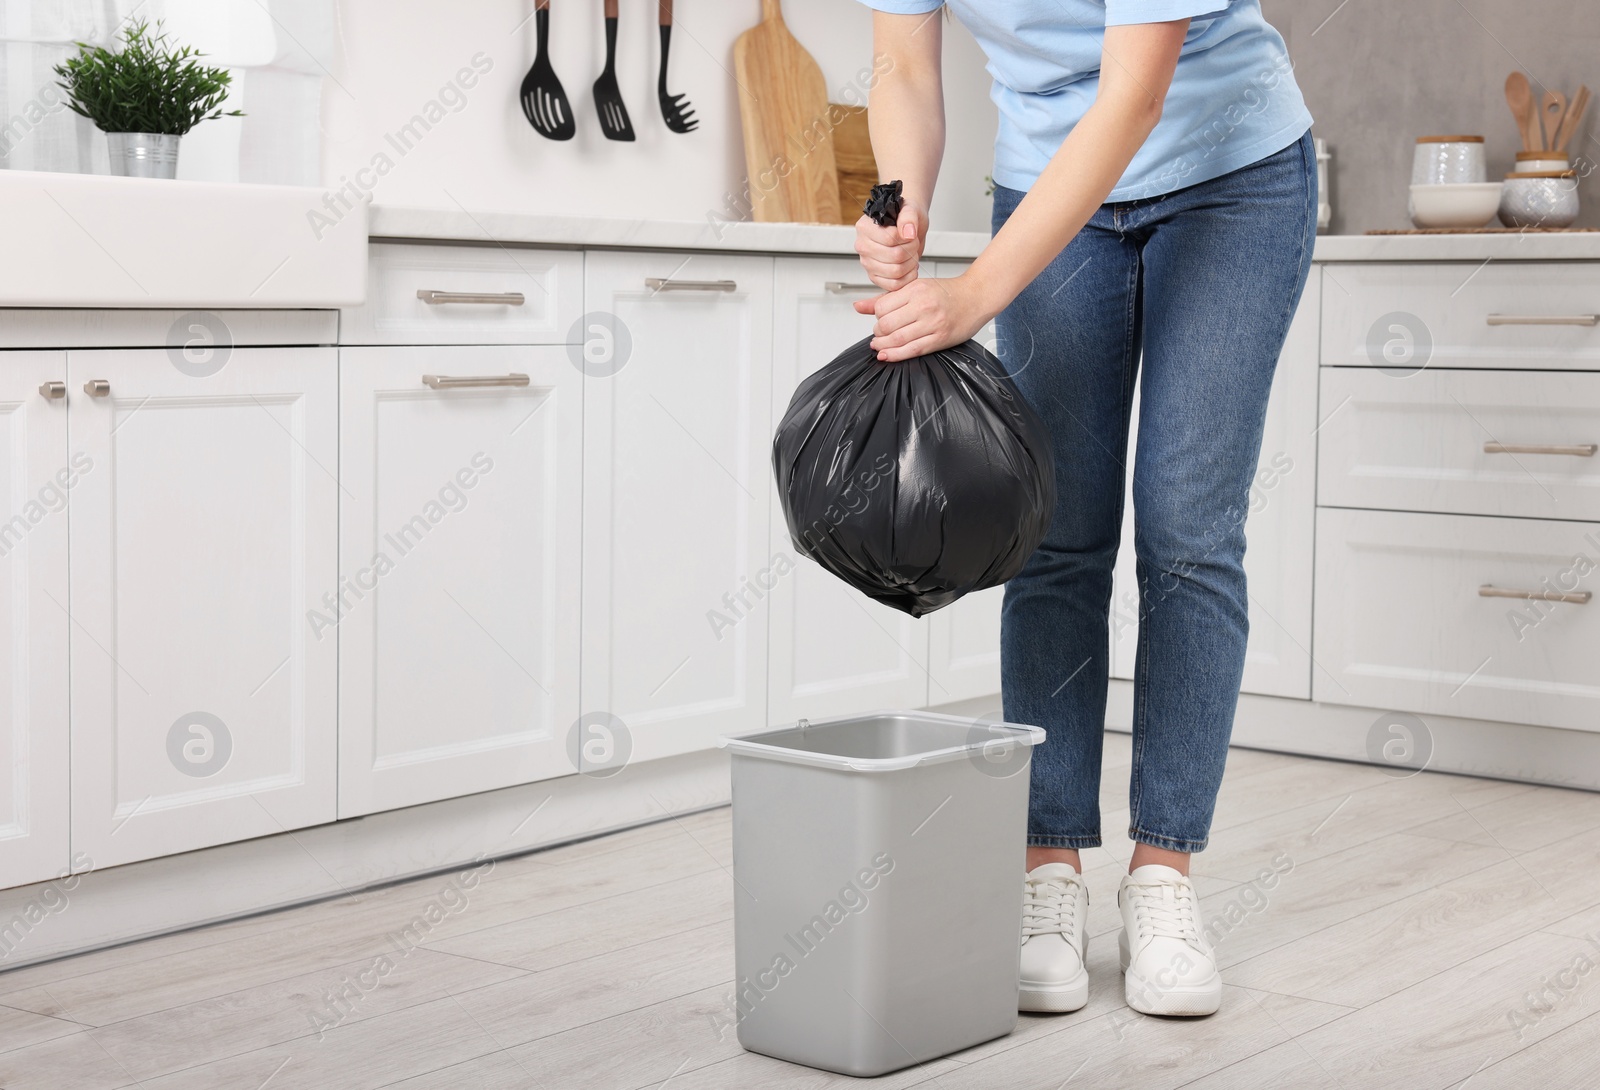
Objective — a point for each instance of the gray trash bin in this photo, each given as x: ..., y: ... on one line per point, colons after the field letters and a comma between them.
x: 878, y: 864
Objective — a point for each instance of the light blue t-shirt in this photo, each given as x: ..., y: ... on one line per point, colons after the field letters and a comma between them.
x: 1233, y: 98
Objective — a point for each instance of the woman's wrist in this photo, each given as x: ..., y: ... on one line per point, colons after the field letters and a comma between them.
x: 991, y: 292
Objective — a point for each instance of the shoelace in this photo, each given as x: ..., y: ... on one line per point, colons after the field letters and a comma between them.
x: 1166, y: 910
x: 1049, y: 906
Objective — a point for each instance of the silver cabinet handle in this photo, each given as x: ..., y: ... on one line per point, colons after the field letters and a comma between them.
x: 666, y: 283
x: 53, y: 391
x: 840, y: 287
x: 1544, y: 319
x: 501, y: 298
x: 97, y: 387
x: 458, y: 382
x: 1577, y: 450
x: 1576, y: 597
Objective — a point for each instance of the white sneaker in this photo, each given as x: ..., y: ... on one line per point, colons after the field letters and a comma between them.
x: 1055, y: 908
x: 1167, y: 964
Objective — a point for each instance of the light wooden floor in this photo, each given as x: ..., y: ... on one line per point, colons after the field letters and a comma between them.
x: 1399, y: 951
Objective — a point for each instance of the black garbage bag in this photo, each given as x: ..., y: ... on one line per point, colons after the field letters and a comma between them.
x: 915, y: 482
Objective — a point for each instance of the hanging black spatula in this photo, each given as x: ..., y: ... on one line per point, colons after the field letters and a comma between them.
x: 675, y: 109
x: 607, y: 99
x: 544, y: 101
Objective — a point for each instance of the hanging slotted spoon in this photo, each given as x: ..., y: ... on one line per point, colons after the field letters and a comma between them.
x: 544, y: 101
x: 607, y: 99
x: 675, y: 109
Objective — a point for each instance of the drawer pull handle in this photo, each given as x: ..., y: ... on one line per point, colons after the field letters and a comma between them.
x: 459, y: 382
x: 492, y: 298
x: 97, y: 387
x: 666, y: 283
x: 841, y: 287
x: 1577, y: 450
x: 1576, y: 597
x: 1544, y: 319
x: 53, y: 391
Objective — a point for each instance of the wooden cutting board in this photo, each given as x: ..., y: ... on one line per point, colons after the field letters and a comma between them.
x: 852, y: 151
x: 783, y: 109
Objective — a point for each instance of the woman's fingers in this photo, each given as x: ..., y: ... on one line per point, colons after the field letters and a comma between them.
x: 892, y: 279
x: 887, y: 255
x: 906, y: 223
x: 919, y: 347
x: 907, y: 329
x: 895, y: 264
x: 895, y: 314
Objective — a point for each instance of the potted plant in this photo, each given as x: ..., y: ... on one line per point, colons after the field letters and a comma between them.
x: 144, y: 97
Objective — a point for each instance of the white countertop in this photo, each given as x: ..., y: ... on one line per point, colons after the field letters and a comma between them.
x: 389, y: 221
x: 88, y: 240
x: 1508, y: 246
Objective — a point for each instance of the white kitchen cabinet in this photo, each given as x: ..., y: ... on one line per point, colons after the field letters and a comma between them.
x: 834, y: 650
x: 37, y: 477
x: 964, y: 648
x: 1482, y: 618
x: 678, y: 558
x: 1280, y: 528
x: 460, y: 548
x: 202, y: 543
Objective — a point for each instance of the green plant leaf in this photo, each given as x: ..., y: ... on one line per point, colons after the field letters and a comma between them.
x: 146, y: 86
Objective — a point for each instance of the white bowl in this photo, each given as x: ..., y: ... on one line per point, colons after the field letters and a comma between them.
x: 1465, y: 204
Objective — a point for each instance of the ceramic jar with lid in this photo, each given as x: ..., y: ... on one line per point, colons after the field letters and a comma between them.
x: 1539, y: 198
x: 1449, y: 160
x: 1542, y: 160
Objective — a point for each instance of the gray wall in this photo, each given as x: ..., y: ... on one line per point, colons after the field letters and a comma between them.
x: 1379, y: 73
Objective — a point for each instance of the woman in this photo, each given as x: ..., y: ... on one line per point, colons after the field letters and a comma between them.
x: 1154, y: 209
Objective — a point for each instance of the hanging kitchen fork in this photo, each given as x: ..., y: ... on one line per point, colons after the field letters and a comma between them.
x: 675, y: 109
x: 607, y: 98
x: 544, y: 100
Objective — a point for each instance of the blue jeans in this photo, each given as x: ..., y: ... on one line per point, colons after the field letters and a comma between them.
x: 1197, y: 288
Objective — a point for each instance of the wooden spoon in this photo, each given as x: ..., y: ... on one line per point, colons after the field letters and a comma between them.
x: 1519, y: 96
x: 1569, y: 123
x: 1552, y: 113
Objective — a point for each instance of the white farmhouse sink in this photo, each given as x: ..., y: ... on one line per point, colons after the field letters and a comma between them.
x: 83, y: 240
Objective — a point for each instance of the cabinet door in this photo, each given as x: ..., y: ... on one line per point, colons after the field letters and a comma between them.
x: 964, y: 638
x: 1460, y: 615
x: 676, y: 505
x: 460, y: 547
x: 1280, y: 528
x: 203, y: 550
x: 834, y: 650
x: 37, y: 477
x: 964, y: 648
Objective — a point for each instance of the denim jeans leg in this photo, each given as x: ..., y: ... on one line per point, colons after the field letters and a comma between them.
x: 1070, y: 341
x: 1224, y: 264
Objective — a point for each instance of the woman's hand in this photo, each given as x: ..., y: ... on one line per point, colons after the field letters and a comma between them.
x: 925, y: 316
x: 890, y: 254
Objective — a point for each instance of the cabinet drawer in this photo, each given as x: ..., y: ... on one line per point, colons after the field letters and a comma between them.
x: 1466, y: 442
x: 1413, y: 614
x: 426, y: 294
x: 1509, y: 315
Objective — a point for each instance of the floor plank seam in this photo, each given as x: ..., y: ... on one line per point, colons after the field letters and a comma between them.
x: 370, y: 1018
x: 589, y: 957
x: 577, y: 904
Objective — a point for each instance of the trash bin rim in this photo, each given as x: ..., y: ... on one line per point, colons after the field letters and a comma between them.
x: 750, y: 745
